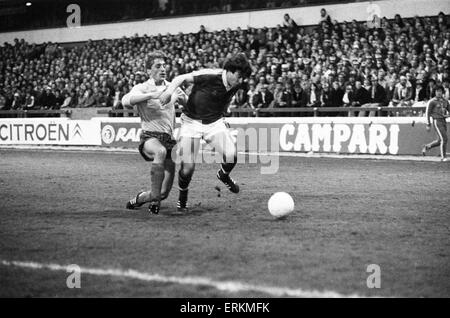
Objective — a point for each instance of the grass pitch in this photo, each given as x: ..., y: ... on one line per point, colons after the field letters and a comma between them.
x: 68, y: 208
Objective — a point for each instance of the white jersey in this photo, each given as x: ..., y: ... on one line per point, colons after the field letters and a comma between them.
x: 154, y: 116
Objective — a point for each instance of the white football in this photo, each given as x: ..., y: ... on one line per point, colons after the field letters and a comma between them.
x: 280, y: 204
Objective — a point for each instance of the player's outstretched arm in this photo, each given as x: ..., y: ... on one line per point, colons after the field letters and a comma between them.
x: 136, y: 96
x: 176, y: 82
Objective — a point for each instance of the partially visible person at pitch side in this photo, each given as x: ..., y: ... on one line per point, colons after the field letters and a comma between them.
x: 438, y: 109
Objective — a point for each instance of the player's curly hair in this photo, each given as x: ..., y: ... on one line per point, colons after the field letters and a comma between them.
x: 439, y: 88
x: 238, y: 62
x: 153, y: 56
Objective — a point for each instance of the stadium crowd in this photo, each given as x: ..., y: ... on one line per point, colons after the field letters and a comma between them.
x: 334, y: 64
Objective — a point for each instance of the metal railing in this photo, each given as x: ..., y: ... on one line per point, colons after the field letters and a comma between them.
x: 244, y: 112
x: 34, y: 113
x: 307, y: 111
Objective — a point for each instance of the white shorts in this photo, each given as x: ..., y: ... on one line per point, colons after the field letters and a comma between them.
x: 193, y: 128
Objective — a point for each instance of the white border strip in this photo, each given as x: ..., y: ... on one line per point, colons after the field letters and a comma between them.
x: 226, y: 286
x: 83, y: 149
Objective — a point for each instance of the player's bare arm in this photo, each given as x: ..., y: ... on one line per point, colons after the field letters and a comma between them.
x: 176, y: 83
x: 137, y: 96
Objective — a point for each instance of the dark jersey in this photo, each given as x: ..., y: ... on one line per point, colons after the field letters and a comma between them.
x: 210, y: 97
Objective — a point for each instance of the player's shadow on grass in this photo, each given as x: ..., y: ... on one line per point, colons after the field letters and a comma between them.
x: 195, y: 210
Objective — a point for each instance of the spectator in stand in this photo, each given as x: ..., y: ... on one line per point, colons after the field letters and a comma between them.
x: 300, y: 96
x: 88, y: 99
x: 347, y: 99
x: 341, y: 81
x: 278, y: 95
x: 419, y: 97
x: 325, y: 95
x: 336, y: 95
x: 390, y: 89
x: 17, y: 103
x: 29, y: 101
x: 117, y: 102
x: 289, y: 23
x: 47, y: 99
x: 324, y: 17
x: 59, y: 99
x: 239, y: 102
x: 68, y: 100
x: 314, y: 96
x: 402, y: 93
x: 288, y: 94
x: 261, y: 82
x: 9, y: 97
x: 263, y: 99
x: 446, y: 88
x: 431, y: 86
x: 81, y: 96
x: 101, y: 100
x: 377, y: 97
x: 251, y: 95
x: 361, y: 95
x: 287, y: 98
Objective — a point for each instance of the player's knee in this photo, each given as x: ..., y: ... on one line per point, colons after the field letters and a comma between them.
x: 160, y: 154
x: 230, y: 157
x: 187, y: 168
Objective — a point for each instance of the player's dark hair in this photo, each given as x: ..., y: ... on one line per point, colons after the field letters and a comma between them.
x: 152, y: 57
x: 439, y: 88
x: 238, y: 62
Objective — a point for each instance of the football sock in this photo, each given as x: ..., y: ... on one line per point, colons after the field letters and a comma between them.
x: 157, y: 177
x: 183, y: 181
x: 228, y: 167
x: 182, y: 198
x: 183, y: 185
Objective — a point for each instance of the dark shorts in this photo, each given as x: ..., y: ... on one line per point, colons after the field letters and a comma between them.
x: 164, y: 138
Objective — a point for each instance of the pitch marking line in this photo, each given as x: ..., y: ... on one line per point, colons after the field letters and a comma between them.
x: 227, y: 286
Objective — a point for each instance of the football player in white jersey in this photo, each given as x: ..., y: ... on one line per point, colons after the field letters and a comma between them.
x: 156, y: 139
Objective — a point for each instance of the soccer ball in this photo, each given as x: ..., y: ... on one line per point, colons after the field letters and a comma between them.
x: 280, y: 204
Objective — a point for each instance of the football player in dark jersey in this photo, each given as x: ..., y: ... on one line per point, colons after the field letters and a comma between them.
x: 202, y: 118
